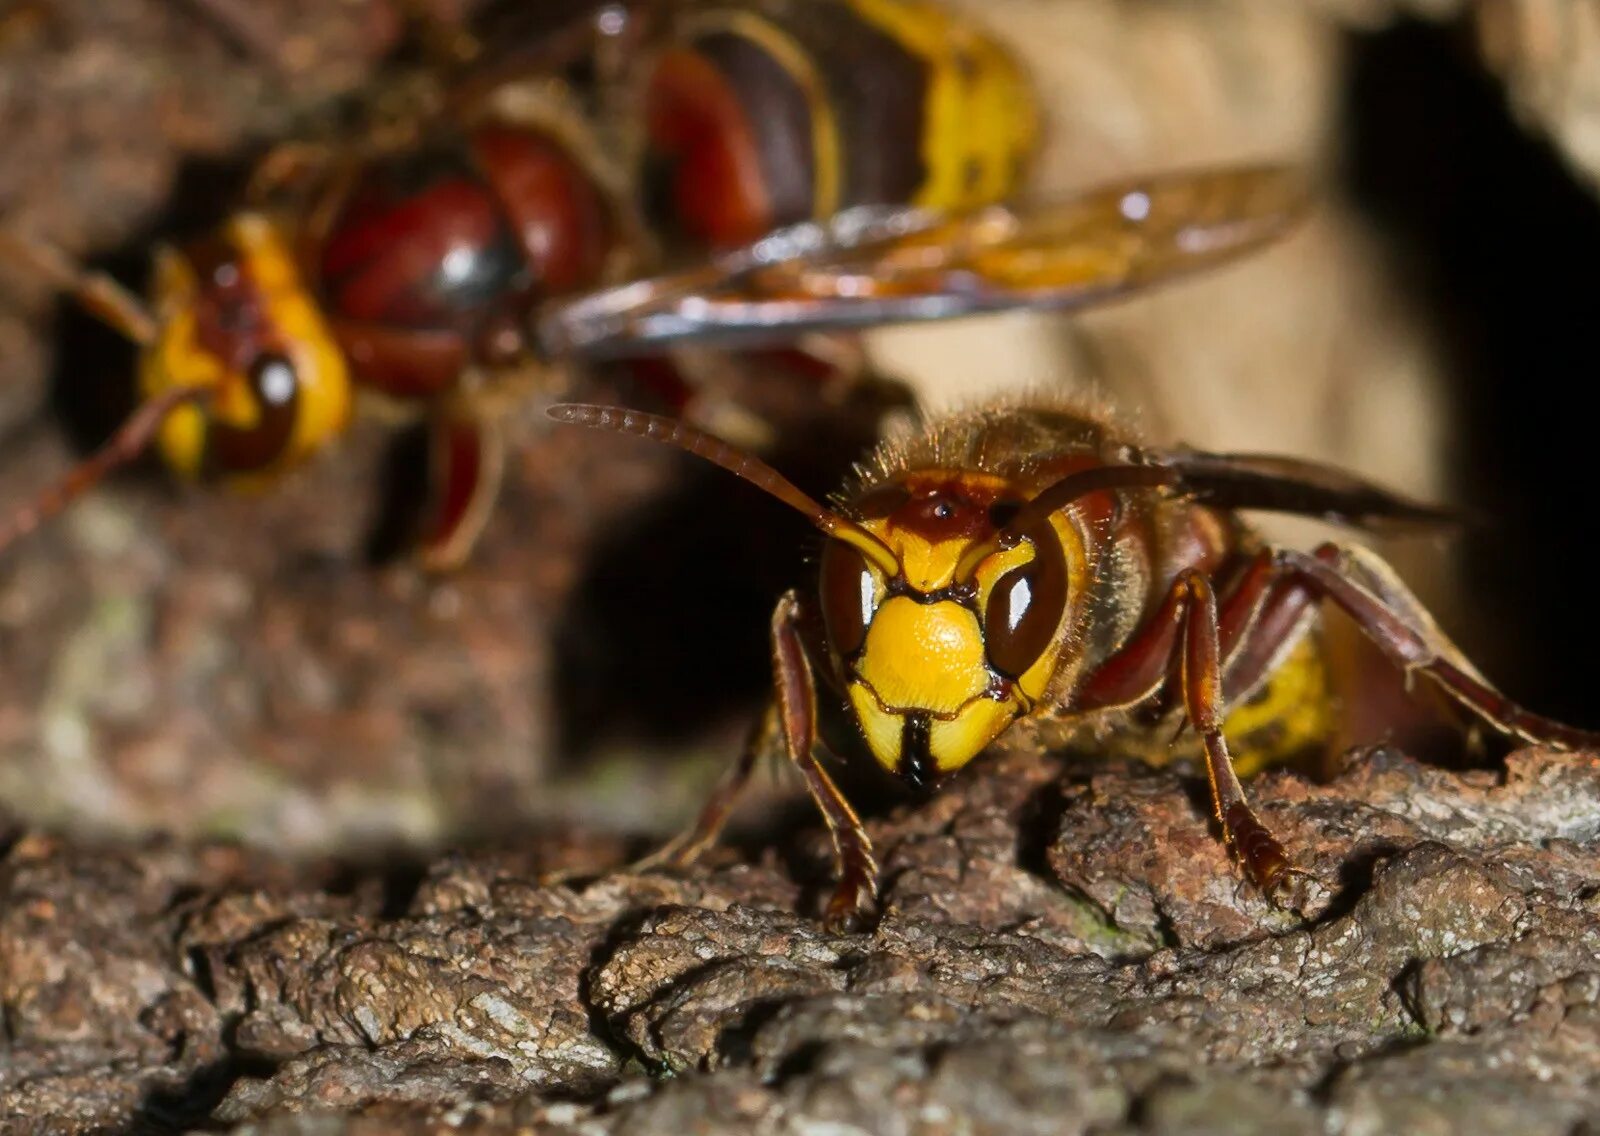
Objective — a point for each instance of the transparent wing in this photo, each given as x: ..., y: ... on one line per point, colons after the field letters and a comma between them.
x: 882, y: 265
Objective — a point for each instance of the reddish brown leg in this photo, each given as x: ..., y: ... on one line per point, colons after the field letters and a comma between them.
x: 466, y: 466
x: 1416, y: 646
x: 797, y: 715
x: 1263, y: 857
x: 100, y: 295
x: 1187, y: 627
x: 683, y: 850
x: 1253, y: 644
x: 792, y: 717
x: 1141, y: 667
x: 286, y: 167
x: 1252, y: 619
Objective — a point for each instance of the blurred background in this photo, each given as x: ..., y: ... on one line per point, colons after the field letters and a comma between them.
x: 180, y: 660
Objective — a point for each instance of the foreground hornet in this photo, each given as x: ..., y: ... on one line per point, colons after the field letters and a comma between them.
x: 458, y: 252
x: 1034, y: 568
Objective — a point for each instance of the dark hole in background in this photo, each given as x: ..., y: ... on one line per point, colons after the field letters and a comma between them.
x: 1498, y: 243
x: 667, y: 629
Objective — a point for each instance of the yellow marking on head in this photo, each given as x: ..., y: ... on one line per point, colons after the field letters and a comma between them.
x: 980, y: 122
x: 955, y: 742
x: 297, y: 330
x: 926, y: 565
x: 932, y: 657
x: 176, y: 359
x: 952, y: 741
x: 923, y: 656
x: 879, y: 727
x: 326, y: 401
x: 930, y: 565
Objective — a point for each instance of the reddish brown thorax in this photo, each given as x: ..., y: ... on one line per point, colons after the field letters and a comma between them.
x: 940, y: 505
x: 435, y: 256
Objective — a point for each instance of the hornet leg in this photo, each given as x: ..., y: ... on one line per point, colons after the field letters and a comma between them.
x: 791, y: 717
x: 797, y: 712
x: 1373, y: 596
x: 1201, y: 672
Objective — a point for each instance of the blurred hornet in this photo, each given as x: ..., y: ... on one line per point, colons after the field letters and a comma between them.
x: 825, y: 165
x: 1033, y: 571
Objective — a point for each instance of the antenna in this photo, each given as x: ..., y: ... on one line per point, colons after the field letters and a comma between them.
x: 100, y: 295
x: 130, y: 440
x: 742, y: 464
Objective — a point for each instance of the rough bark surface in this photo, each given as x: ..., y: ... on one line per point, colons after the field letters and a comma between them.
x: 1064, y: 947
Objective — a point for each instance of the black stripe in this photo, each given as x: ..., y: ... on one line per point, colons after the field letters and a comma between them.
x: 878, y: 91
x: 780, y: 120
x: 916, y: 759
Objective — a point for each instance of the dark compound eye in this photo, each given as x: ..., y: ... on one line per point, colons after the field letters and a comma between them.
x: 276, y: 387
x: 847, y: 597
x: 1025, y: 607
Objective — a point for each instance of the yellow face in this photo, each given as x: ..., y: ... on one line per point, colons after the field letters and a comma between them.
x: 239, y: 324
x: 935, y: 667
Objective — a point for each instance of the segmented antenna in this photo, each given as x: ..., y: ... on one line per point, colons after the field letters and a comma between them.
x: 100, y: 295
x: 742, y: 464
x: 126, y: 444
x: 122, y: 311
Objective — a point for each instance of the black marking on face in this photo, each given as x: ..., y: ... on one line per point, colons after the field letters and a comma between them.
x: 916, y: 768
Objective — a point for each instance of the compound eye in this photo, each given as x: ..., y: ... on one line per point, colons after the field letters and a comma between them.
x: 1025, y: 608
x: 273, y: 379
x: 275, y: 387
x: 846, y: 586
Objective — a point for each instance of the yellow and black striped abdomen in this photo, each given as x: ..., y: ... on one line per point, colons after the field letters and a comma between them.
x: 763, y: 114
x: 979, y: 120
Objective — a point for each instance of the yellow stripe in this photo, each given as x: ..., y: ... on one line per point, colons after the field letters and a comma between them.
x: 324, y: 403
x: 175, y: 360
x: 979, y: 118
x: 1004, y: 123
x: 1291, y: 714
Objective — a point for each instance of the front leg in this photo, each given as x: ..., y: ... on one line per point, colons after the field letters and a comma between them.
x: 796, y: 695
x: 685, y: 849
x: 790, y: 721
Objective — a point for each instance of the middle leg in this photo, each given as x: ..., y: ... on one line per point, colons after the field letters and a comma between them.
x: 789, y: 721
x: 1200, y: 676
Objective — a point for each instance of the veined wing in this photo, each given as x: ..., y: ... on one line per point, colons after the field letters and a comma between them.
x: 880, y: 265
